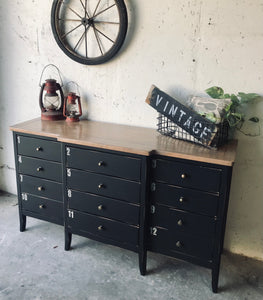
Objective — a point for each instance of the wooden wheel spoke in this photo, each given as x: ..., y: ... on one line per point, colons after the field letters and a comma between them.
x: 65, y: 34
x: 72, y: 20
x: 72, y: 10
x: 106, y: 22
x: 103, y: 34
x: 98, y: 40
x: 85, y: 8
x: 96, y: 8
x: 102, y: 11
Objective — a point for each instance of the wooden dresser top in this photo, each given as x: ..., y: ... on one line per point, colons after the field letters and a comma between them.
x: 130, y: 139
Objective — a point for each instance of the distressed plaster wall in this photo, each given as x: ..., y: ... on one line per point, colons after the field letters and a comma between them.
x: 181, y: 46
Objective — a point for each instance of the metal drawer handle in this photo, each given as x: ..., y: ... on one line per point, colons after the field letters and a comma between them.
x: 181, y: 199
x: 101, y: 185
x: 101, y: 163
x: 100, y: 207
x: 41, y: 206
x: 39, y: 149
x: 180, y: 223
x: 40, y: 188
x: 100, y: 228
x: 40, y: 169
x: 179, y: 244
x: 183, y: 176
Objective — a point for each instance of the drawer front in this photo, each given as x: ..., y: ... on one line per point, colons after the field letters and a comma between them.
x: 104, y: 163
x: 185, y: 199
x: 105, y: 207
x: 42, y: 206
x: 41, y: 187
x: 40, y: 168
x: 103, y: 227
x: 39, y: 148
x: 103, y: 185
x: 163, y: 239
x: 180, y: 221
x: 187, y: 175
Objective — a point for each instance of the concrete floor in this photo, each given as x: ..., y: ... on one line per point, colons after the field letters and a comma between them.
x: 34, y: 265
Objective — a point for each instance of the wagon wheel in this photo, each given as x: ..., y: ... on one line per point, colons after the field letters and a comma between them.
x: 90, y: 32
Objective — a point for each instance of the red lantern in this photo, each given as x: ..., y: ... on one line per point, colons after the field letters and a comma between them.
x: 51, y: 103
x: 72, y: 108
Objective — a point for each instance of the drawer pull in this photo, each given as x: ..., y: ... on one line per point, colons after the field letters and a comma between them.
x: 40, y: 169
x: 39, y: 149
x: 100, y: 207
x: 42, y: 206
x: 40, y: 188
x: 100, y: 228
x: 101, y: 185
x: 183, y: 176
x: 179, y: 244
x: 180, y: 223
x: 101, y: 163
x: 181, y: 200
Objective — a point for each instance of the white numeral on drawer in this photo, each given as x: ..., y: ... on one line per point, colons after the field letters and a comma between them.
x: 18, y: 139
x: 71, y: 214
x: 153, y: 231
x: 153, y: 187
x: 21, y: 178
x: 20, y: 159
x: 24, y: 196
x: 69, y: 172
x: 152, y: 209
x: 154, y: 164
x: 68, y: 151
x: 69, y: 193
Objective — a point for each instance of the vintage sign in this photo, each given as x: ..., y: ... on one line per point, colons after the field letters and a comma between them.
x: 197, y: 126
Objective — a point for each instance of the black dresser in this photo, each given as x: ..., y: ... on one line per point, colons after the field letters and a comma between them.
x: 125, y: 186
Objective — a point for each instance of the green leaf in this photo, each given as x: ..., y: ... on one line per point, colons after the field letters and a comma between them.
x: 254, y: 119
x: 226, y: 96
x: 215, y: 92
x: 245, y: 98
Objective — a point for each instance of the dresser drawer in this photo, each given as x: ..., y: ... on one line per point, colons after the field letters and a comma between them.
x: 42, y: 206
x: 187, y: 175
x: 39, y: 148
x: 103, y: 185
x: 40, y: 168
x: 173, y: 241
x: 41, y: 187
x: 185, y: 199
x: 103, y: 227
x: 104, y: 163
x: 180, y: 221
x: 102, y: 206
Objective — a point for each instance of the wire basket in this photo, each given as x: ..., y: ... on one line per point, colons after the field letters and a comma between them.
x: 169, y: 128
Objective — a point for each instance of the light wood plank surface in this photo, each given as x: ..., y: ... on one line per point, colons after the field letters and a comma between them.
x: 129, y: 139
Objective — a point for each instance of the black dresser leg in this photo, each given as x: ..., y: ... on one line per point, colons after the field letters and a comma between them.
x: 215, y: 276
x: 22, y: 219
x: 68, y: 237
x: 142, y: 262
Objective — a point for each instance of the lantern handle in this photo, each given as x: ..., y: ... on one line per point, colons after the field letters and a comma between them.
x: 40, y: 98
x: 80, y: 109
x: 59, y: 73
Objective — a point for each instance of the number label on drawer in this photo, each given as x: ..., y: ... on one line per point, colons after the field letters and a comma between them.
x: 71, y: 214
x: 153, y: 187
x: 24, y: 196
x: 21, y: 178
x: 68, y: 151
x: 69, y: 172
x: 153, y: 231
x: 69, y: 193
x: 20, y: 159
x: 18, y: 140
x: 153, y: 209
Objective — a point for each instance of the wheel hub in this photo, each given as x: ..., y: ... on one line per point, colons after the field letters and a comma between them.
x: 87, y: 21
